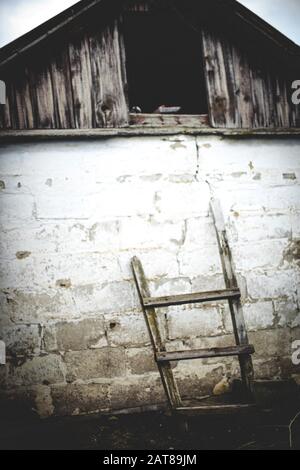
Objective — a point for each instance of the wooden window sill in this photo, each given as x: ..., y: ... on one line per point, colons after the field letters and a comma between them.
x: 15, y: 136
x: 169, y: 120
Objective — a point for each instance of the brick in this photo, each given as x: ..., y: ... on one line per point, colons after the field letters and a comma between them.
x: 192, y: 322
x: 29, y: 306
x: 78, y: 399
x: 236, y: 156
x: 271, y: 343
x: 137, y: 391
x: 62, y: 237
x: 127, y: 329
x: 26, y: 403
x: 199, y: 262
x: 16, y: 209
x: 261, y: 227
x: 272, y: 285
x: 266, y: 369
x: 272, y: 200
x: 268, y: 254
x: 259, y: 316
x: 200, y: 232
x: 211, y: 342
x: 45, y: 271
x: 287, y: 312
x: 288, y: 368
x: 173, y: 156
x: 10, y: 161
x: 162, y: 287
x: 156, y: 263
x: 38, y: 370
x: 103, y: 236
x: 22, y: 340
x: 291, y: 254
x: 140, y: 361
x: 136, y: 233
x: 207, y: 283
x: 123, y: 200
x: 197, y: 379
x: 111, y: 297
x: 295, y: 220
x: 191, y: 201
x: 93, y: 364
x: 75, y: 336
x: 43, y: 401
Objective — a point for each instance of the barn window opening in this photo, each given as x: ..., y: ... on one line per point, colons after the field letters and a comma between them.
x: 164, y: 64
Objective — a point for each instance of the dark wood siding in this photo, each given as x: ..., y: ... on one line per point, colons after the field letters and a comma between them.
x: 242, y: 94
x: 77, y: 84
x: 76, y: 79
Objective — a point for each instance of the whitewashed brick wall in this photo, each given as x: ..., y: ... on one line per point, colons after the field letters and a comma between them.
x: 72, y: 216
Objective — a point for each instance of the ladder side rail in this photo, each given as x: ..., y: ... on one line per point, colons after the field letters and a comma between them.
x: 165, y: 369
x: 235, y: 306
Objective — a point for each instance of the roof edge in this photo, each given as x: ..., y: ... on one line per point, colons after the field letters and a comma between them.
x: 53, y: 25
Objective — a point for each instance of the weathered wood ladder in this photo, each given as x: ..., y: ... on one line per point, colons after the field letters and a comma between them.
x: 232, y: 294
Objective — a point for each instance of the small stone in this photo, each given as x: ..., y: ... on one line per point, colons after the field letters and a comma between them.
x: 222, y: 387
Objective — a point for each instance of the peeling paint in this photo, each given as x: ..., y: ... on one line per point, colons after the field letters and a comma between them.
x: 289, y: 176
x: 64, y: 283
x: 292, y: 252
x: 23, y: 254
x: 238, y: 174
x: 177, y: 145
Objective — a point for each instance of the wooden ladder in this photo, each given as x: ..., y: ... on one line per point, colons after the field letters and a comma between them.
x: 232, y: 294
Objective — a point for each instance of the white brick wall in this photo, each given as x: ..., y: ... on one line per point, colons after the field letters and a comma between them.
x: 72, y: 215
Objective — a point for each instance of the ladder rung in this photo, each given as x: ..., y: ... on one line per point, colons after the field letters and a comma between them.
x: 205, y: 353
x: 157, y: 302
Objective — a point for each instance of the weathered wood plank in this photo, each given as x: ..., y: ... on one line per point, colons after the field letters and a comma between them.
x: 243, y: 87
x: 81, y: 78
x: 42, y: 94
x: 221, y: 111
x: 168, y: 120
x: 240, y: 93
x: 185, y: 299
x: 62, y: 90
x: 24, y: 101
x: 204, y: 353
x: 165, y: 370
x: 5, y: 118
x: 108, y: 77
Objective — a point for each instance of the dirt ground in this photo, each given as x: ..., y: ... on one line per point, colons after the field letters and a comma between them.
x: 153, y: 431
x: 275, y: 424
